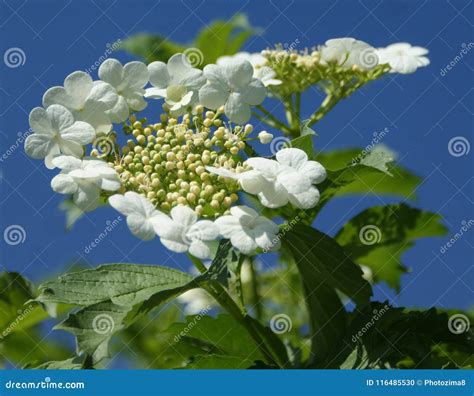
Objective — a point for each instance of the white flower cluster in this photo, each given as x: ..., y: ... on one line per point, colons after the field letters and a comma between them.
x: 182, y: 231
x: 189, y: 168
x: 349, y: 52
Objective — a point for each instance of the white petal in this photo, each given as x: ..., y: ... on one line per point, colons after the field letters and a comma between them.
x: 267, y: 167
x: 94, y: 113
x: 135, y: 74
x: 120, y: 111
x: 58, y: 95
x: 293, y: 181
x: 314, y: 171
x: 111, y: 71
x: 253, y: 93
x: 104, y: 93
x: 63, y: 184
x: 200, y: 249
x: 175, y: 246
x: 159, y: 76
x: 79, y: 132
x: 140, y: 227
x: 179, y: 67
x: 40, y: 122
x: 60, y: 117
x: 305, y: 200
x: 69, y: 147
x: 213, y: 95
x: 155, y: 93
x: 252, y: 181
x: 291, y: 157
x: 78, y: 85
x: 131, y: 203
x: 236, y: 109
x: 273, y: 196
x: 239, y: 73
x: 183, y: 215
x: 67, y: 163
x: 204, y: 230
x: 243, y: 242
x: 228, y: 225
x: 39, y: 146
x: 241, y: 211
x: 87, y: 196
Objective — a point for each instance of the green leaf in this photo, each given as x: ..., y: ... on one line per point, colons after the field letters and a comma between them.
x: 402, y: 338
x: 216, y: 39
x: 304, y: 143
x: 324, y: 267
x: 374, y: 174
x: 74, y: 363
x: 122, y: 284
x: 226, y: 340
x: 152, y: 47
x: 378, y: 236
x: 223, y: 37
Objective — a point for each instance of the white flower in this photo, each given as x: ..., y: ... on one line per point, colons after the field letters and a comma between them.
x: 265, y: 137
x: 88, y: 101
x: 264, y: 73
x: 348, y: 52
x: 140, y: 212
x: 288, y: 179
x: 232, y: 85
x: 403, y: 58
x: 84, y: 179
x: 183, y: 232
x: 55, y: 133
x: 248, y: 231
x: 128, y: 81
x: 177, y: 82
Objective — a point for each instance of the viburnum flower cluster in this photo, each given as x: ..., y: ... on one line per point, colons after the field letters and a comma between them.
x: 182, y: 176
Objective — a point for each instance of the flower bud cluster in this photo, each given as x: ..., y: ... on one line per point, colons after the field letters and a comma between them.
x: 298, y: 70
x: 166, y: 162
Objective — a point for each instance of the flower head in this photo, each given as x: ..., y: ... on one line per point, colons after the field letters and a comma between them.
x: 88, y: 101
x: 177, y: 82
x: 248, y: 231
x: 349, y: 52
x: 260, y: 71
x: 140, y: 212
x: 403, y: 57
x: 288, y: 179
x: 182, y: 232
x: 128, y: 82
x: 55, y: 133
x: 234, y: 87
x: 84, y: 179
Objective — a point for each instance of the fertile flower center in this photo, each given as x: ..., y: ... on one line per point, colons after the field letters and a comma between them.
x: 166, y: 162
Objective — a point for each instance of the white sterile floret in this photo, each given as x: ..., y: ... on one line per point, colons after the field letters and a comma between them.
x: 84, y: 179
x: 264, y: 137
x: 290, y: 178
x: 55, y: 133
x: 128, y: 81
x: 140, y: 212
x: 403, y: 57
x: 183, y: 232
x: 233, y: 86
x: 348, y: 52
x: 248, y: 231
x: 88, y: 101
x: 177, y: 82
x: 264, y: 73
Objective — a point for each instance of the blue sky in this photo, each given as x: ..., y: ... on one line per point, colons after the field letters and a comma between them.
x: 422, y: 112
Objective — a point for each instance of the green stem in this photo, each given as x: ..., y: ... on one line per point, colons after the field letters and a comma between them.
x: 271, y: 120
x: 225, y: 301
x: 256, y: 301
x: 328, y: 103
